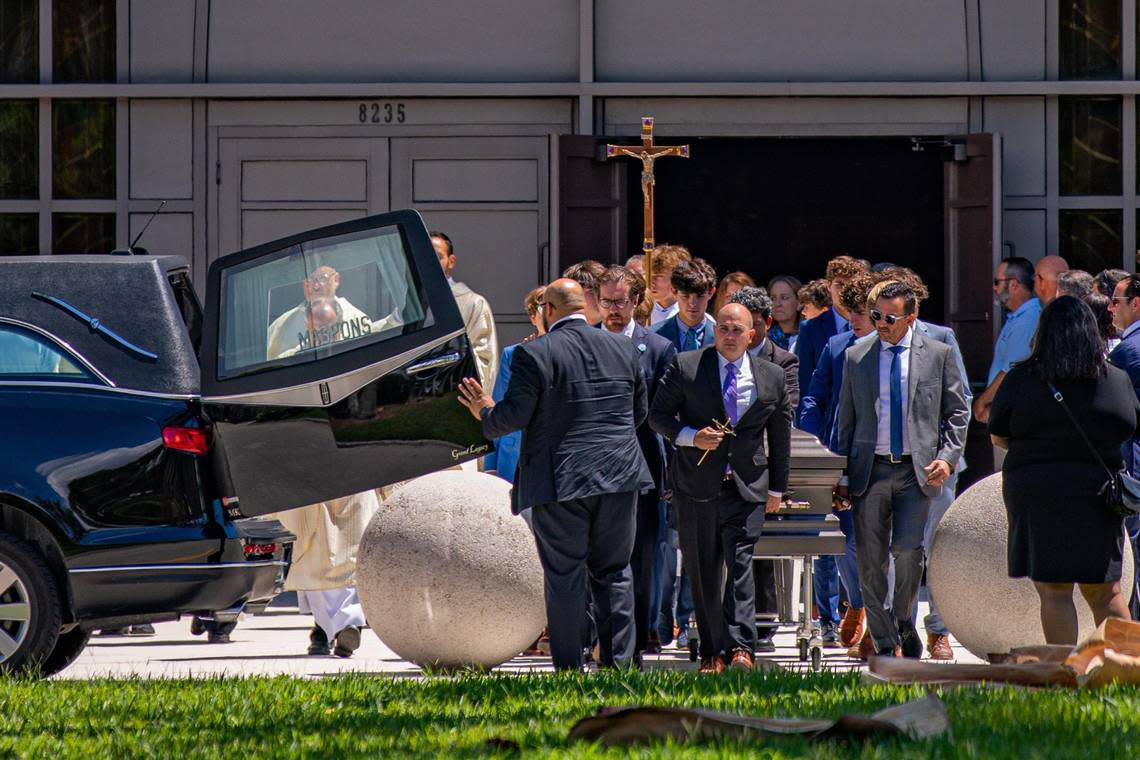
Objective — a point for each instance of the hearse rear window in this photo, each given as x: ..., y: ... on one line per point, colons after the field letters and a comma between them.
x: 24, y: 355
x: 318, y: 299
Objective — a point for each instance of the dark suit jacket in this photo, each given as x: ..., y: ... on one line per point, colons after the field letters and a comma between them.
x: 578, y: 395
x: 814, y: 334
x: 817, y: 415
x: 670, y: 329
x: 1126, y: 356
x: 655, y: 354
x: 690, y: 396
x: 788, y: 362
x: 936, y: 416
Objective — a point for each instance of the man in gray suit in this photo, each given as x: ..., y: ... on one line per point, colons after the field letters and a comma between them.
x: 902, y: 424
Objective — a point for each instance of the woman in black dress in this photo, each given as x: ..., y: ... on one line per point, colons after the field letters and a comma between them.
x: 1060, y: 531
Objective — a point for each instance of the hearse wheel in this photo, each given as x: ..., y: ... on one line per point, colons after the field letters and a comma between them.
x: 29, y: 608
x: 67, y: 648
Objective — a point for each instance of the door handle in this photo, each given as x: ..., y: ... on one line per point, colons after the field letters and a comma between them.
x: 434, y: 363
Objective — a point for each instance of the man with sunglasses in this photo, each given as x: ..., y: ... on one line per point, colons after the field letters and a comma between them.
x: 902, y: 425
x: 1013, y: 289
x: 1125, y: 308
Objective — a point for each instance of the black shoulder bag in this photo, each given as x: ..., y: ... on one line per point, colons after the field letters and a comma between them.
x: 1121, y: 492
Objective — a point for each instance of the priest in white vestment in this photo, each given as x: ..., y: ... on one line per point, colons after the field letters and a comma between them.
x: 478, y: 319
x: 323, y: 570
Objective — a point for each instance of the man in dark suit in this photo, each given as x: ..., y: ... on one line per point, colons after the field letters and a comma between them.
x: 578, y: 395
x: 716, y: 406
x: 814, y: 333
x: 901, y: 424
x: 759, y: 304
x: 620, y: 292
x: 1125, y: 309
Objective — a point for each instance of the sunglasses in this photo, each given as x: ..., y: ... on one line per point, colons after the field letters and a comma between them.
x: 890, y: 319
x: 1000, y: 280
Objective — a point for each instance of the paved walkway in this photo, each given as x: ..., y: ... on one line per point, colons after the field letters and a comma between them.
x: 274, y: 643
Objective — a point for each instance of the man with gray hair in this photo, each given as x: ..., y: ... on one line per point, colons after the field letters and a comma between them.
x: 1075, y: 282
x: 1013, y: 289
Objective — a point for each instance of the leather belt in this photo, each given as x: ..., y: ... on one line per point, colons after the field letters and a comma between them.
x: 889, y: 459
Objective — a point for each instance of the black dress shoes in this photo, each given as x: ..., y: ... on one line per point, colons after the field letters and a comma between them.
x: 319, y: 642
x: 910, y: 643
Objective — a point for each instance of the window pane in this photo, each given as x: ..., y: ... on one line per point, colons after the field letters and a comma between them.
x: 1090, y: 148
x: 83, y: 145
x: 19, y: 149
x: 83, y: 40
x: 19, y: 234
x: 82, y: 233
x: 19, y: 41
x: 1091, y: 240
x: 24, y: 355
x: 1090, y: 39
x: 318, y: 299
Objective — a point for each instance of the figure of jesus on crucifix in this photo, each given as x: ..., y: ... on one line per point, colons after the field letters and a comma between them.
x: 647, y: 153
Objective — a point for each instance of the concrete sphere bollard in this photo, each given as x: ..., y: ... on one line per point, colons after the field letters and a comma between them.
x: 987, y: 611
x: 448, y: 577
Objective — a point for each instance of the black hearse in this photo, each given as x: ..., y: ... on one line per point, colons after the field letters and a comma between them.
x: 143, y: 438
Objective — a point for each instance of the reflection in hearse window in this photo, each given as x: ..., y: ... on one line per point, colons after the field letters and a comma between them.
x: 27, y: 356
x: 324, y: 297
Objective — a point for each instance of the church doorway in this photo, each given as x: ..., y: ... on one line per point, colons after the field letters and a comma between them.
x: 769, y: 206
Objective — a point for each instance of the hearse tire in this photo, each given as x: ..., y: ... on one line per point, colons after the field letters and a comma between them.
x: 30, y: 609
x: 67, y: 648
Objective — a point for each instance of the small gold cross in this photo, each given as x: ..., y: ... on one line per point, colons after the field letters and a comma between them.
x: 724, y: 427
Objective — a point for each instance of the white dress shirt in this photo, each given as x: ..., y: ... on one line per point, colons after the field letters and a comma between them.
x: 886, y: 355
x: 745, y: 394
x: 759, y: 347
x: 745, y: 397
x: 661, y: 313
x: 627, y: 331
x: 567, y: 318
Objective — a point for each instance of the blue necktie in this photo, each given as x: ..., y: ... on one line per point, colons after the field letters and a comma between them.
x: 896, y: 403
x: 692, y: 342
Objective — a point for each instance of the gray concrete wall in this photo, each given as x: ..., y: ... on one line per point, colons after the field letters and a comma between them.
x: 765, y: 40
x: 397, y: 40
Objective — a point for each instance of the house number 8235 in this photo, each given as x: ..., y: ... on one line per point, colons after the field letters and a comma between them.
x: 381, y: 113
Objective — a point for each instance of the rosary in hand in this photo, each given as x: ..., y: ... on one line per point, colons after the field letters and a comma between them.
x: 724, y: 427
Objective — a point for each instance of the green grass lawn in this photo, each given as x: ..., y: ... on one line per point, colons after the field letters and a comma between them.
x: 366, y: 716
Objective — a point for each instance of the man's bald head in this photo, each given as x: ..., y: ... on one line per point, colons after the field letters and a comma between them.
x: 1045, y: 277
x: 564, y: 297
x: 734, y: 312
x: 733, y: 331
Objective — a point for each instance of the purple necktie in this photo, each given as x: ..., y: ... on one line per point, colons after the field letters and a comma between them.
x: 729, y: 393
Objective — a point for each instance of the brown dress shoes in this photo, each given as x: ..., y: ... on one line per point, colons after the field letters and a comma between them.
x: 863, y: 649
x: 711, y: 665
x: 741, y: 660
x: 851, y: 628
x: 938, y: 645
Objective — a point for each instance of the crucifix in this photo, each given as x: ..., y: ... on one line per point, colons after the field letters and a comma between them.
x: 647, y: 153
